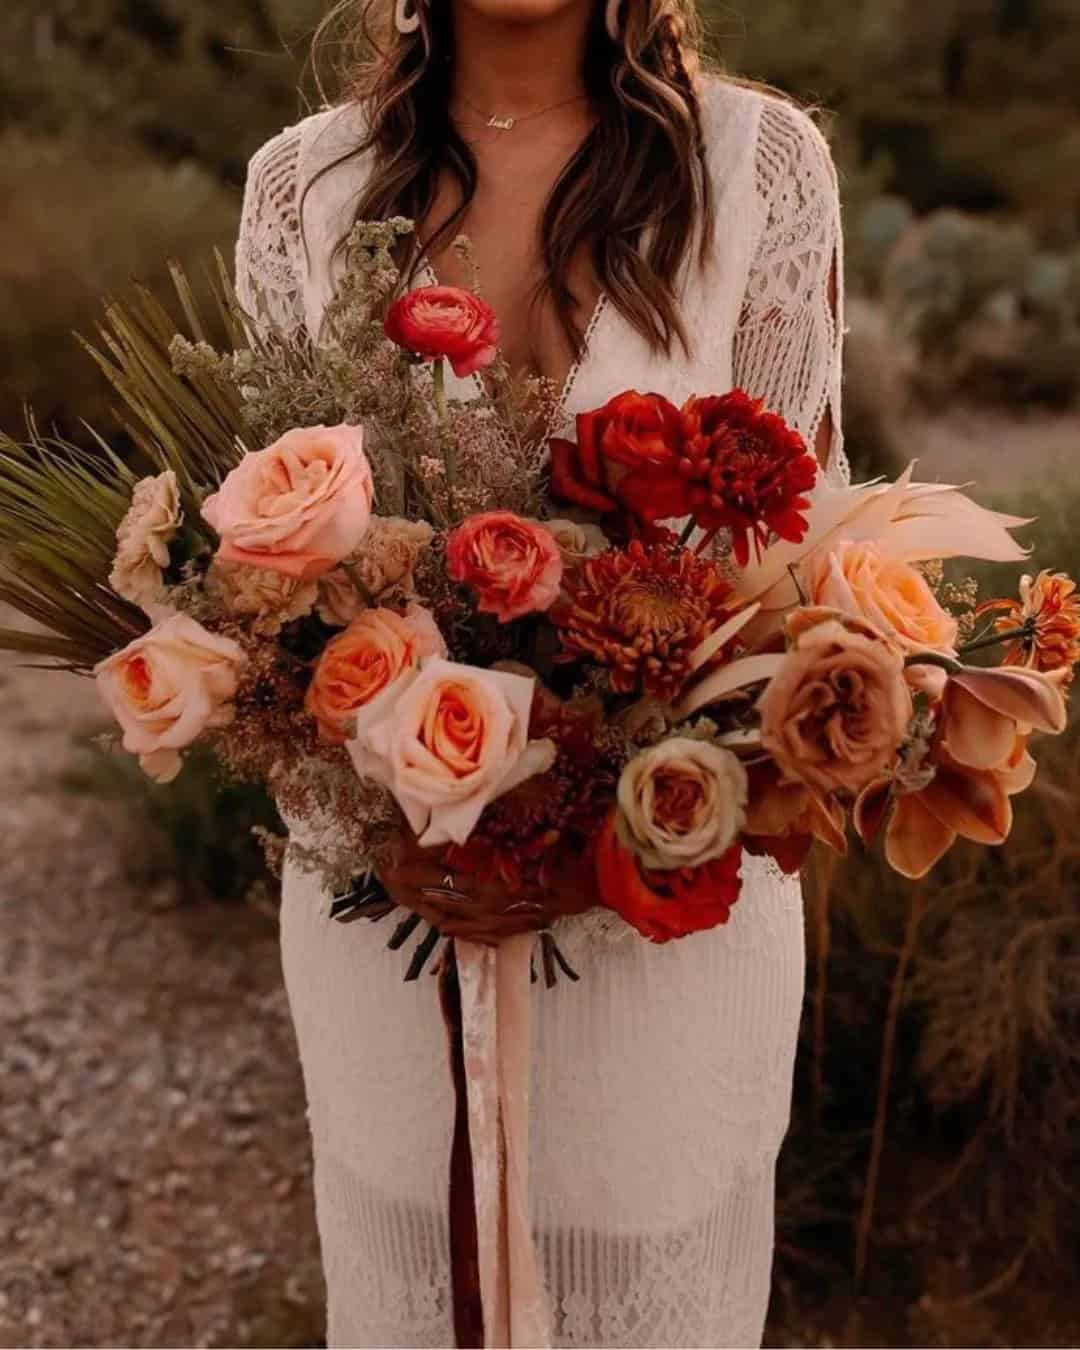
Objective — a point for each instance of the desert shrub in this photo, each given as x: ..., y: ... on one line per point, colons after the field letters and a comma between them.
x: 199, y: 830
x: 80, y: 219
x: 987, y: 314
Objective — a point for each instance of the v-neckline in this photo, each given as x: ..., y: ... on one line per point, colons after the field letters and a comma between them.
x: 576, y: 366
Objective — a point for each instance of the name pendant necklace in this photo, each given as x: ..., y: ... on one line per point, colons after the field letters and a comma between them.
x: 498, y: 123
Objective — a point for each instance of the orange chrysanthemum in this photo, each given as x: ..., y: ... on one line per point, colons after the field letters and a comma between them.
x: 642, y: 611
x: 1049, y: 612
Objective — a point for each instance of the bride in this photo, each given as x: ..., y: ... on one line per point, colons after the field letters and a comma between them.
x: 639, y: 222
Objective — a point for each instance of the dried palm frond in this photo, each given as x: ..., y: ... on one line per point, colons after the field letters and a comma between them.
x: 60, y: 506
x: 189, y: 421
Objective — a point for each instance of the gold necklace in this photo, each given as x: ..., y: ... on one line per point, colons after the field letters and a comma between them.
x: 509, y: 123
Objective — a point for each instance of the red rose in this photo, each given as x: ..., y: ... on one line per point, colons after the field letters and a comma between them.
x: 631, y: 442
x: 513, y: 565
x: 444, y: 321
x: 665, y: 905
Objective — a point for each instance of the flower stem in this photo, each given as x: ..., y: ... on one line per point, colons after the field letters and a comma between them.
x: 688, y: 532
x: 443, y: 409
x: 934, y: 659
x: 996, y: 639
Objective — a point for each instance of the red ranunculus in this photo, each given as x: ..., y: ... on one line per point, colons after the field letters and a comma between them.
x: 513, y: 565
x: 445, y: 321
x: 665, y: 905
x: 633, y: 439
x: 745, y: 470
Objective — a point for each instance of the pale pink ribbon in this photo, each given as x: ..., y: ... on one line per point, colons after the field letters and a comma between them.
x: 496, y: 1004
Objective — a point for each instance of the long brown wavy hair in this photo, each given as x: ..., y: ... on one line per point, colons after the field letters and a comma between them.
x: 635, y: 194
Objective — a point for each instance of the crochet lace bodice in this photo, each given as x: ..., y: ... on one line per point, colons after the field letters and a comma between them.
x: 778, y: 243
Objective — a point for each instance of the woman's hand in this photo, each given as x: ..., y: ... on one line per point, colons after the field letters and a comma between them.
x: 485, y: 912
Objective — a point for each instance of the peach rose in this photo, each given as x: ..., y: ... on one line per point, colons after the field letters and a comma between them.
x: 513, y: 565
x: 167, y: 688
x: 364, y: 661
x: 857, y: 578
x: 300, y: 506
x: 681, y: 803
x: 452, y: 740
x: 838, y: 710
x: 143, y: 539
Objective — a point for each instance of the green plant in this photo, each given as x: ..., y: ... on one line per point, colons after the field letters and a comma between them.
x: 198, y: 831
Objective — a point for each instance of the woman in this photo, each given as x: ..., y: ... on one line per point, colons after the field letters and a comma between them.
x: 638, y: 222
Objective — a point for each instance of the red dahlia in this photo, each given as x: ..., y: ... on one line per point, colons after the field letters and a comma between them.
x: 746, y: 471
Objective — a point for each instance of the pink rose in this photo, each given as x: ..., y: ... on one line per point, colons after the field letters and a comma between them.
x: 300, y: 506
x: 443, y: 321
x: 514, y: 565
x: 452, y: 740
x: 167, y: 688
x: 363, y: 662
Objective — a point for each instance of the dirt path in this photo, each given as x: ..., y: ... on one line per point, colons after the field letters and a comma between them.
x: 153, y: 1142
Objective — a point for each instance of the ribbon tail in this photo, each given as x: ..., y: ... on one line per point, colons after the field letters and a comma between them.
x: 496, y: 1005
x: 527, y: 1301
x: 464, y: 1252
x: 479, y: 1021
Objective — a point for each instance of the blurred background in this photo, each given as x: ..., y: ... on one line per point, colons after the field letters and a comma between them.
x: 152, y: 1133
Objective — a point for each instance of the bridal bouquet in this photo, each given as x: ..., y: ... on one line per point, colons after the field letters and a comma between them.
x: 474, y: 658
x: 494, y: 677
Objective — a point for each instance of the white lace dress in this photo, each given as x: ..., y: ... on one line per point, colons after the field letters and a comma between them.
x: 662, y: 1081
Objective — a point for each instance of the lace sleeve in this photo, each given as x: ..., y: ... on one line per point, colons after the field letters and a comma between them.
x: 269, y: 276
x: 789, y: 339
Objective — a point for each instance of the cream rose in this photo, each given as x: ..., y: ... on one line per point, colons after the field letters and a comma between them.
x: 858, y: 579
x: 838, y: 710
x: 577, y: 543
x: 269, y: 599
x: 376, y: 649
x: 167, y: 688
x: 300, y: 506
x: 143, y: 539
x: 682, y: 803
x: 449, y: 741
x: 385, y: 561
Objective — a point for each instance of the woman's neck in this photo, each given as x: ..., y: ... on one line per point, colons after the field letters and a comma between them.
x: 513, y: 69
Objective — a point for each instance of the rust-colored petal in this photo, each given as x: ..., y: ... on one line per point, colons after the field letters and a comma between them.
x: 827, y: 821
x: 871, y: 809
x: 1018, y: 773
x: 976, y: 734
x: 916, y: 839
x: 1030, y: 697
x: 974, y: 803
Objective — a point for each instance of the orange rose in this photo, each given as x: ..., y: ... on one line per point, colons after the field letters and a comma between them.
x: 444, y: 321
x: 858, y: 579
x: 300, y: 506
x: 364, y: 661
x: 838, y: 710
x: 669, y: 904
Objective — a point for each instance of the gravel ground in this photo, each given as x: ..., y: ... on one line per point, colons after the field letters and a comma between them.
x: 153, y: 1141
